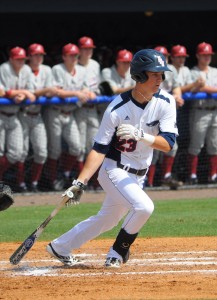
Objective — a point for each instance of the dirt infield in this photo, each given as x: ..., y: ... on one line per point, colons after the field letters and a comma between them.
x: 159, y: 268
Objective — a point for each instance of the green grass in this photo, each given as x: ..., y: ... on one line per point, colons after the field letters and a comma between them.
x: 171, y: 218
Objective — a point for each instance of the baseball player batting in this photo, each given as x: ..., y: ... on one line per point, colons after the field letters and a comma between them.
x: 133, y: 124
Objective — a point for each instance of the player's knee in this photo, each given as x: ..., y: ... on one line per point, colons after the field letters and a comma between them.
x: 54, y: 153
x: 14, y: 157
x: 145, y: 208
x: 75, y: 150
x: 40, y: 159
x: 193, y: 151
x: 171, y: 153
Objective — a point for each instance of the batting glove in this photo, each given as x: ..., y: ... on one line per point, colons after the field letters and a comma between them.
x: 127, y: 131
x: 74, y: 192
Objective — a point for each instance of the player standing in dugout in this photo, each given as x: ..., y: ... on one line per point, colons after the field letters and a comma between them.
x: 134, y: 123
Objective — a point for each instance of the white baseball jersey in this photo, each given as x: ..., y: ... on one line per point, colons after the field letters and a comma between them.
x: 87, y: 116
x: 171, y: 80
x: 115, y: 80
x: 210, y: 78
x: 64, y: 79
x: 184, y: 75
x: 10, y: 80
x: 43, y: 78
x: 158, y: 116
x: 92, y: 75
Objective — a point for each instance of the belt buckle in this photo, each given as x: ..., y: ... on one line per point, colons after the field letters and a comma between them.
x: 126, y: 167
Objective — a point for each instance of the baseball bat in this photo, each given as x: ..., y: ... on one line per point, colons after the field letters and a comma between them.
x: 24, y: 248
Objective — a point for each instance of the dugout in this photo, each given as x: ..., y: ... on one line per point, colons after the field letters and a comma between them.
x: 113, y: 25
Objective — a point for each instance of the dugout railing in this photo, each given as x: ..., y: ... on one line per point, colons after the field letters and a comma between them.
x: 180, y: 168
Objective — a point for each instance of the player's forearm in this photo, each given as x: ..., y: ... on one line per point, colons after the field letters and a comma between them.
x: 177, y: 92
x: 2, y: 93
x: 13, y: 93
x: 209, y: 89
x: 65, y: 93
x: 161, y: 144
x: 156, y: 142
x: 92, y: 164
x: 41, y: 92
x: 188, y: 88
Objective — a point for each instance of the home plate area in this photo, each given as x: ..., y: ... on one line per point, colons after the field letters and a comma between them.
x: 204, y: 262
x: 158, y: 268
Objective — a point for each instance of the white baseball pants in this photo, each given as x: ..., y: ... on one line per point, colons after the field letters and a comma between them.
x: 124, y: 195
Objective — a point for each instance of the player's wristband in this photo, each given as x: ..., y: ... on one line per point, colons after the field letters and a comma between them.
x: 8, y: 93
x: 80, y: 184
x: 146, y: 138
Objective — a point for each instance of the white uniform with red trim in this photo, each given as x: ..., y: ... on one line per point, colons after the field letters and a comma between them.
x: 61, y: 118
x: 87, y: 116
x: 32, y: 122
x: 203, y: 116
x: 116, y: 81
x: 10, y: 126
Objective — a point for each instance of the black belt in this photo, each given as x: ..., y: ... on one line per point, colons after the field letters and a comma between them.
x: 7, y: 114
x: 32, y: 113
x: 207, y: 108
x: 131, y: 170
x: 67, y: 113
x: 88, y: 105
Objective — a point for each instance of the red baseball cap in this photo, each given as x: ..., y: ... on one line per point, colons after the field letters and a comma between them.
x: 163, y: 50
x: 179, y: 50
x: 70, y: 49
x: 86, y: 42
x: 124, y: 55
x: 204, y: 48
x: 36, y: 49
x: 17, y: 53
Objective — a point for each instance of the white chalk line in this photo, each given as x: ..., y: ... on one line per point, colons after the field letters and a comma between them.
x: 138, y: 262
x: 24, y: 269
x: 142, y: 273
x: 45, y: 273
x: 85, y: 255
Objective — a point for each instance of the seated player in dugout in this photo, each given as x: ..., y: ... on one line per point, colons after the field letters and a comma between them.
x: 134, y: 123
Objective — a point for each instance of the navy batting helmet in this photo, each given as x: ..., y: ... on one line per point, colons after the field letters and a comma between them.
x: 147, y: 60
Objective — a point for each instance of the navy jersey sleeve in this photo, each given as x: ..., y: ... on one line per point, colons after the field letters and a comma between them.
x: 101, y: 148
x: 169, y: 137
